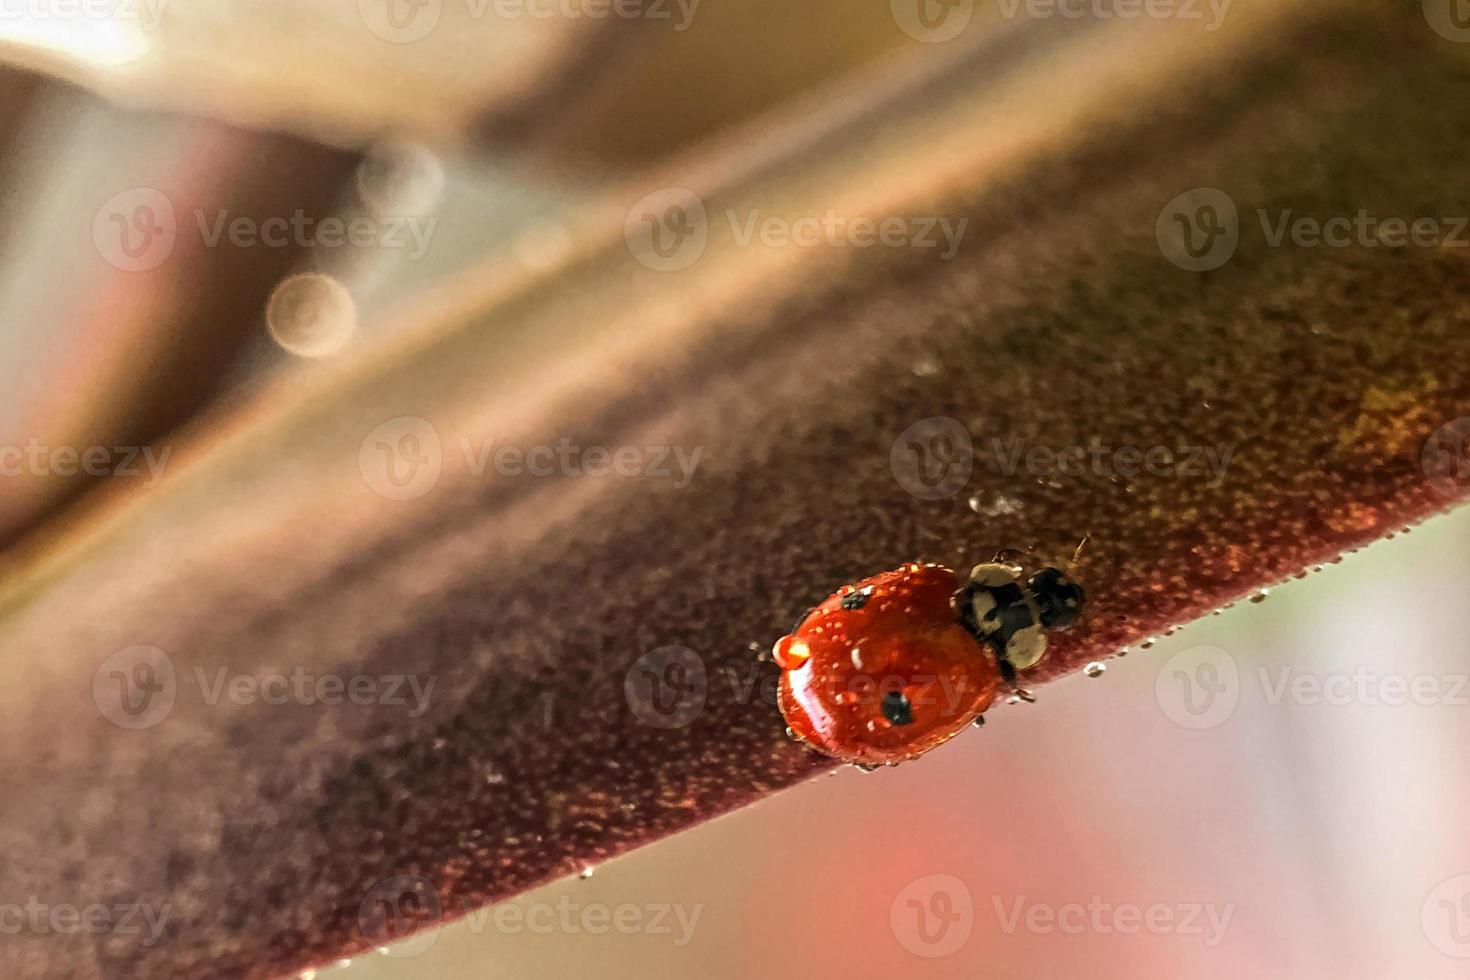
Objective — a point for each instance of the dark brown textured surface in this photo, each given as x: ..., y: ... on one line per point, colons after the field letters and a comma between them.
x: 1323, y: 370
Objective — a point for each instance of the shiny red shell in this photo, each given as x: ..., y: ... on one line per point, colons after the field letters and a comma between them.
x: 897, y: 636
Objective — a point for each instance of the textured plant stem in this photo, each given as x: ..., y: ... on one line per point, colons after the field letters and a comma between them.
x: 529, y: 602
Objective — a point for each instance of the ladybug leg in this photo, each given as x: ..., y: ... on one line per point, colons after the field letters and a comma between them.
x: 1007, y: 671
x: 1009, y: 676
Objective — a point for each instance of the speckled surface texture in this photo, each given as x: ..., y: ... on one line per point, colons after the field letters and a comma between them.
x: 1321, y: 372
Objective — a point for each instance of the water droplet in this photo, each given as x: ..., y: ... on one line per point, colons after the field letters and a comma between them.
x: 311, y: 315
x: 1094, y: 669
x: 1147, y: 643
x: 306, y: 975
x: 997, y: 506
x: 1260, y: 596
x: 586, y: 872
x: 927, y: 367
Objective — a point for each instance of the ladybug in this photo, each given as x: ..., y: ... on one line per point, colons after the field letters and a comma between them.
x: 890, y: 667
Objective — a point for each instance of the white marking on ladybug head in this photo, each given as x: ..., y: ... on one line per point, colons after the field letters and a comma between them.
x: 994, y: 574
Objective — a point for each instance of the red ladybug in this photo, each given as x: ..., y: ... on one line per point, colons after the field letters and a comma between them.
x: 888, y: 668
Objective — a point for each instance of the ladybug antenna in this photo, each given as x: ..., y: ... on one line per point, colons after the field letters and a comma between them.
x: 1080, y: 545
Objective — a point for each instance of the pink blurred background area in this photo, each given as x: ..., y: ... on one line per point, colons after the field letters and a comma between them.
x: 1279, y: 790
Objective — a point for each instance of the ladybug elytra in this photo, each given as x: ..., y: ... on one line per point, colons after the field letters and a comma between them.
x: 890, y: 667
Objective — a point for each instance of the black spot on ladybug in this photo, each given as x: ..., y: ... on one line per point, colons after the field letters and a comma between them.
x: 897, y: 709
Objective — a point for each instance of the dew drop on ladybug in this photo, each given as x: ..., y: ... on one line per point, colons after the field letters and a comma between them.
x: 890, y: 667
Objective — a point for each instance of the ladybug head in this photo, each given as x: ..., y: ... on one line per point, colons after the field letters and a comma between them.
x: 1058, y: 599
